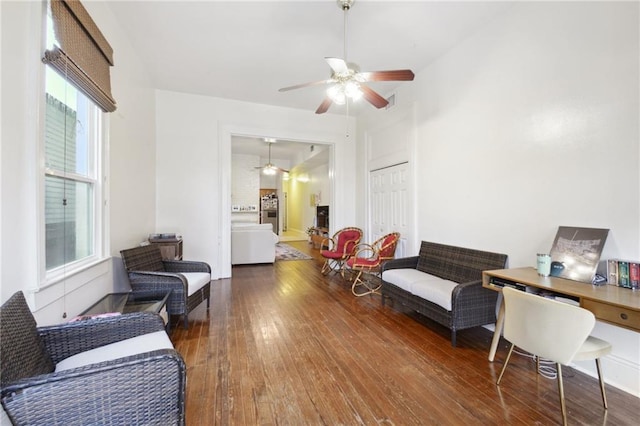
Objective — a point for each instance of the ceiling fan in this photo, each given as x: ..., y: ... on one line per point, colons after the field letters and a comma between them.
x: 270, y: 168
x: 347, y: 81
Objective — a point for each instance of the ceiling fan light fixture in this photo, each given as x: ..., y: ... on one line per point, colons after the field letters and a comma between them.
x: 337, y: 94
x: 269, y: 170
x: 340, y: 92
x: 352, y: 90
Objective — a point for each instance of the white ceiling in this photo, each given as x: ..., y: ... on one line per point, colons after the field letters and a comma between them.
x: 248, y: 50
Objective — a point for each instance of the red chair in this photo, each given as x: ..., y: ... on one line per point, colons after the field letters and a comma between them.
x: 368, y: 261
x: 339, y: 248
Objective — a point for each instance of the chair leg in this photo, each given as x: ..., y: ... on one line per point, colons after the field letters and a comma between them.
x: 365, y: 278
x: 604, y: 395
x: 506, y: 361
x: 331, y: 265
x: 347, y: 273
x: 561, y: 392
x: 325, y: 268
x: 356, y: 282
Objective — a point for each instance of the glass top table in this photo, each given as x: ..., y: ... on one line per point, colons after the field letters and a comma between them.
x: 125, y: 303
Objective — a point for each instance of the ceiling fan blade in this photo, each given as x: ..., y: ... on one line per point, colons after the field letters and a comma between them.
x: 300, y: 86
x: 373, y: 97
x: 324, y: 106
x: 337, y: 65
x: 391, y: 75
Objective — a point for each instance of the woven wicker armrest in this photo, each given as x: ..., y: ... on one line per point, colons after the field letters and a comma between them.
x: 402, y: 263
x: 463, y: 289
x: 472, y: 299
x: 65, y: 340
x: 152, y: 281
x: 147, y: 387
x: 186, y: 266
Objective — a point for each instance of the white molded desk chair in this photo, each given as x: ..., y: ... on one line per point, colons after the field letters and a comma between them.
x: 552, y: 330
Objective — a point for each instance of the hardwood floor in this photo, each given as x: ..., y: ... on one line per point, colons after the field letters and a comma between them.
x: 282, y: 344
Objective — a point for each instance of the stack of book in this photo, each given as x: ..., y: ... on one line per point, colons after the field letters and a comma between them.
x: 623, y: 273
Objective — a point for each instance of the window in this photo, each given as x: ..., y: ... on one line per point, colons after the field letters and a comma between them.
x: 73, y: 146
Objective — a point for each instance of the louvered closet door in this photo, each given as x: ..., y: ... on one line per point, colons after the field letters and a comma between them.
x: 390, y: 203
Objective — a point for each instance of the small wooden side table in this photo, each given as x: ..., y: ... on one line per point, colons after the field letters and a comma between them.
x: 171, y: 248
x: 317, y: 235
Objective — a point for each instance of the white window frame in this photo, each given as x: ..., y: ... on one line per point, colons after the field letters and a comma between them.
x: 97, y: 126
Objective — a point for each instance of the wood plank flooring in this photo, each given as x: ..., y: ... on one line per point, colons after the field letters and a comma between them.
x: 284, y: 345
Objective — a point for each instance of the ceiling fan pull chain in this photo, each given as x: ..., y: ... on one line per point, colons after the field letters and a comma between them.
x: 346, y: 119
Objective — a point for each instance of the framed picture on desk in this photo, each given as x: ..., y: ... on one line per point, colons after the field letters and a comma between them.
x: 576, y: 252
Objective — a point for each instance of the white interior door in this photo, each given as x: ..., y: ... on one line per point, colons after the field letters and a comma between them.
x: 390, y: 203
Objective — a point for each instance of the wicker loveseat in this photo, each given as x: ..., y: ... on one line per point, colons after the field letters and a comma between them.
x: 108, y: 371
x: 444, y: 283
x: 188, y: 281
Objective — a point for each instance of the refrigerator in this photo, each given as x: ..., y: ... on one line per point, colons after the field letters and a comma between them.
x: 269, y: 212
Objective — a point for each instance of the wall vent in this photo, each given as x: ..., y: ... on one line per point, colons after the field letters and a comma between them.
x: 392, y: 101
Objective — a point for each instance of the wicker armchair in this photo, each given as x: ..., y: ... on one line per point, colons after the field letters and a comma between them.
x: 142, y: 388
x: 188, y: 281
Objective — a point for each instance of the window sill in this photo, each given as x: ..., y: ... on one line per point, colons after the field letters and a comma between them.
x: 80, y: 272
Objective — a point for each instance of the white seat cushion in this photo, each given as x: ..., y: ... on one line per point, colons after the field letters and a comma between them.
x: 429, y: 287
x: 592, y: 348
x: 403, y: 278
x: 124, y: 348
x: 196, y: 280
x: 435, y: 290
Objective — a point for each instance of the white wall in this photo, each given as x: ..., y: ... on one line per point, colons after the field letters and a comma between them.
x: 194, y: 160
x: 245, y: 187
x: 130, y: 166
x: 20, y: 34
x: 530, y: 124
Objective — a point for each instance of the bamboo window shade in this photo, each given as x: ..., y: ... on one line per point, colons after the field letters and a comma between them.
x: 84, y: 56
